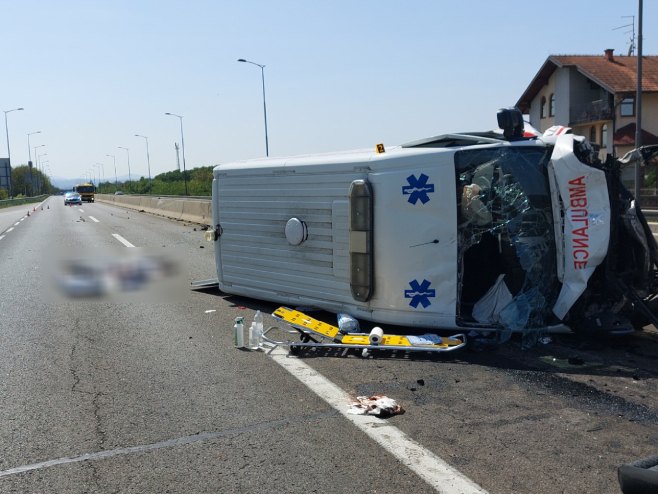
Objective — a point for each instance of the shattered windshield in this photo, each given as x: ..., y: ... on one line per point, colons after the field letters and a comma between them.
x: 507, y: 260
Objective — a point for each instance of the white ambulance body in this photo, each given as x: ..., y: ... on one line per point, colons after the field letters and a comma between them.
x: 464, y: 230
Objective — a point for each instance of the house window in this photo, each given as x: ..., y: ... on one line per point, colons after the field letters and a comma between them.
x: 542, y: 107
x: 604, y: 135
x: 551, y: 106
x: 592, y: 134
x: 627, y: 107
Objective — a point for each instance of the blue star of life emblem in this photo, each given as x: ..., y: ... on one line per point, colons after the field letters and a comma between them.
x: 418, y: 188
x: 420, y: 293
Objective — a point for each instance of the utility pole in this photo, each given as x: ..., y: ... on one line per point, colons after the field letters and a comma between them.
x: 638, y: 108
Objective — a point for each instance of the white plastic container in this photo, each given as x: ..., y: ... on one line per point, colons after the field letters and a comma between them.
x: 254, y: 337
x: 238, y: 332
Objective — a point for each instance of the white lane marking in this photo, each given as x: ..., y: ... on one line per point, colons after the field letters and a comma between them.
x: 122, y: 240
x: 23, y: 218
x: 17, y: 223
x: 10, y: 229
x: 432, y: 469
x: 94, y: 219
x: 169, y: 443
x: 82, y: 210
x: 1, y: 237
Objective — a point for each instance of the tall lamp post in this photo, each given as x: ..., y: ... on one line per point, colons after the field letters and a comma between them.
x: 128, y: 153
x: 262, y: 73
x: 36, y: 164
x: 29, y: 149
x: 45, y: 165
x: 182, y: 144
x: 148, y: 159
x: 116, y: 182
x: 102, y: 176
x: 40, y: 172
x: 8, y: 152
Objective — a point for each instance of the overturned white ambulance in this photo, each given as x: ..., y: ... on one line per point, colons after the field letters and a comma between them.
x: 475, y: 230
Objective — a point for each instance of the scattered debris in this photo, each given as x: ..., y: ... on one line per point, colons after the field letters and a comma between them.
x: 347, y: 323
x: 319, y: 334
x: 378, y: 405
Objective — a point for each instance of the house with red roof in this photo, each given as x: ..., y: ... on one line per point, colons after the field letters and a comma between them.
x: 595, y: 95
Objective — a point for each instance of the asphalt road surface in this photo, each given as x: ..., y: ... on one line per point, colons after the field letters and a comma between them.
x: 136, y: 387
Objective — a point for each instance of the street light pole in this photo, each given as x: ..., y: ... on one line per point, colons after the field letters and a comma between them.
x: 8, y: 152
x: 148, y: 159
x: 40, y: 172
x: 36, y: 159
x: 29, y: 149
x: 116, y: 182
x: 262, y: 74
x: 103, y: 176
x: 129, y: 179
x: 182, y: 143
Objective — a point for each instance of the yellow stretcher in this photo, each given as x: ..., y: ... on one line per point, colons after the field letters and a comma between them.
x: 318, y: 334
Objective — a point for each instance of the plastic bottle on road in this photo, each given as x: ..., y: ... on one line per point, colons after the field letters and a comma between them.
x: 258, y: 319
x: 253, y: 336
x: 238, y: 332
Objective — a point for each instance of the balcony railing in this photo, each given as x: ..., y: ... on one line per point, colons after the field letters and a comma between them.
x: 590, y: 112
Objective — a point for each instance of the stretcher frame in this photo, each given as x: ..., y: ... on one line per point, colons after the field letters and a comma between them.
x: 318, y: 334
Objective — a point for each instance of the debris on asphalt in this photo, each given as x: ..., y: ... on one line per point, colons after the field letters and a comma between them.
x: 347, y: 323
x: 378, y: 405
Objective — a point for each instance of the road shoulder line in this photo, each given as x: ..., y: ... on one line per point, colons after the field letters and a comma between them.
x: 431, y: 468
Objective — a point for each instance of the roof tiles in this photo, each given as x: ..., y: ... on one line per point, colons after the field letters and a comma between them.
x: 616, y: 75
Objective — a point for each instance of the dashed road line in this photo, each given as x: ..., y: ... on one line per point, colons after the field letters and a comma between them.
x: 81, y: 210
x: 428, y: 466
x: 122, y: 240
x: 9, y: 229
x: 17, y: 223
x: 1, y: 237
x: 94, y: 219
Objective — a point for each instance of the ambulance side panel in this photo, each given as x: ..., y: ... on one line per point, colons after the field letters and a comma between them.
x: 414, y: 235
x: 255, y: 259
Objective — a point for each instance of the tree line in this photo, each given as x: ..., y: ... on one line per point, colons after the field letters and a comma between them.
x: 28, y: 182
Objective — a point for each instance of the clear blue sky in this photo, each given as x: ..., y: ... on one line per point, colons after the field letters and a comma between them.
x: 339, y: 74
